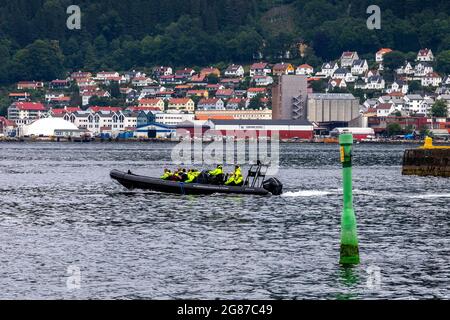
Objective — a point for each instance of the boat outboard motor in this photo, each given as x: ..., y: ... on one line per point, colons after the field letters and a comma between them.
x: 274, y: 186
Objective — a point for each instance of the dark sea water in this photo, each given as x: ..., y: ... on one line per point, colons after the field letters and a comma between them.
x: 59, y: 212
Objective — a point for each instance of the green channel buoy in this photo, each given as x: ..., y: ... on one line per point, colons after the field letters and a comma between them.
x: 349, y: 238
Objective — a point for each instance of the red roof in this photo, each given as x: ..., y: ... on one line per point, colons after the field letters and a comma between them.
x: 110, y: 109
x: 256, y: 90
x: 260, y: 65
x: 66, y: 110
x: 235, y: 100
x: 7, y: 122
x: 179, y: 100
x: 225, y: 92
x: 149, y: 101
x: 60, y: 81
x: 424, y: 52
x: 384, y: 50
x: 60, y: 99
x: 133, y: 109
x: 305, y: 66
x: 30, y: 106
x: 384, y: 106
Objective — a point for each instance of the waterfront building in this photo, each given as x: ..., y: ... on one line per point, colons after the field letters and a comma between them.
x: 23, y: 113
x: 46, y: 127
x: 287, y: 129
x: 336, y: 108
x: 173, y: 118
x: 289, y: 98
x: 230, y: 114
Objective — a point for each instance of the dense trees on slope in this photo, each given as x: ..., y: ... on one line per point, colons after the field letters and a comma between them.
x: 35, y: 43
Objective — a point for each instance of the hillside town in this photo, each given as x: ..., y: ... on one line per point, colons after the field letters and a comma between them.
x: 136, y: 104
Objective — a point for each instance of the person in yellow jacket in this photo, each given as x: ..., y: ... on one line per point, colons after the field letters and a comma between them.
x: 192, y: 175
x: 217, y: 171
x: 236, y: 179
x: 167, y: 174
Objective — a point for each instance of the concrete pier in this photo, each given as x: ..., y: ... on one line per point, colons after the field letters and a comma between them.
x: 428, y: 160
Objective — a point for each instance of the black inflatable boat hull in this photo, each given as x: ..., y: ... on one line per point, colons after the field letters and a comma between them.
x: 133, y: 181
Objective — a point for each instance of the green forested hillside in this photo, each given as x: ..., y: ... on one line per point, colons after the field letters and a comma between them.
x: 35, y: 43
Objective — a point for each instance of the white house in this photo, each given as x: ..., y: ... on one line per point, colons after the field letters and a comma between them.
x: 375, y: 83
x: 304, y: 69
x: 211, y: 104
x: 406, y: 69
x: 380, y: 54
x: 431, y: 80
x: 263, y: 81
x: 415, y: 103
x: 385, y: 109
x: 329, y: 68
x: 398, y: 86
x: 425, y: 55
x: 337, y: 83
x: 359, y: 67
x: 173, y: 118
x: 340, y: 73
x: 142, y: 81
x: 348, y: 58
x: 260, y: 69
x: 234, y: 71
x: 422, y: 69
x: 106, y: 75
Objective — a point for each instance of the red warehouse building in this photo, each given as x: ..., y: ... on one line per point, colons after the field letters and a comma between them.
x: 287, y: 129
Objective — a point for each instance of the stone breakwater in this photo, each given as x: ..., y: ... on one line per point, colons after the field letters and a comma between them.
x: 427, y: 162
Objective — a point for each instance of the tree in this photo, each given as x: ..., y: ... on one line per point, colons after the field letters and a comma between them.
x: 318, y: 85
x: 439, y: 109
x: 393, y: 60
x: 443, y: 62
x: 42, y: 60
x: 212, y: 78
x: 393, y: 129
x: 256, y: 103
x: 115, y: 90
x: 414, y: 86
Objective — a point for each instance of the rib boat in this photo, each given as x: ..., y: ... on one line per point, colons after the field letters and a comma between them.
x: 253, y: 185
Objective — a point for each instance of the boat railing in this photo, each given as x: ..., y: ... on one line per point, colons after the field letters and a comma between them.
x: 256, y: 175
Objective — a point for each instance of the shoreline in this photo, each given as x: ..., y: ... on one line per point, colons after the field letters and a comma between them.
x: 100, y: 141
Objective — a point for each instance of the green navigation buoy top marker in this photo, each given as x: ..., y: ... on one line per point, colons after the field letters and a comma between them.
x: 349, y: 238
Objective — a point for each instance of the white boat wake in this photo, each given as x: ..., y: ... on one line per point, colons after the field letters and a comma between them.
x: 307, y: 193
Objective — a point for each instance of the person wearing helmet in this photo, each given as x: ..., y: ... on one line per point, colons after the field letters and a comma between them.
x: 217, y: 171
x: 167, y: 174
x: 216, y: 176
x: 192, y: 176
x: 236, y: 179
